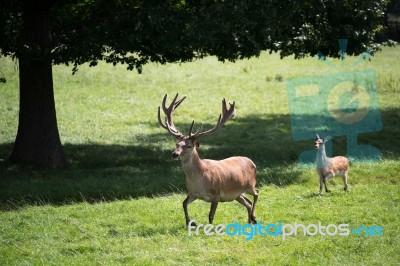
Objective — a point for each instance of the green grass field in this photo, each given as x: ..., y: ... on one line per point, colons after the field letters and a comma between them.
x: 120, y: 199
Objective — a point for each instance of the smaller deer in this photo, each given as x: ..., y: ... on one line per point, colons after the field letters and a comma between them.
x: 330, y: 167
x: 210, y: 180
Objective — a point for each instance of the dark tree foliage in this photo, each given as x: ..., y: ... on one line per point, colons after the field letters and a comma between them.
x: 137, y: 32
x: 43, y: 33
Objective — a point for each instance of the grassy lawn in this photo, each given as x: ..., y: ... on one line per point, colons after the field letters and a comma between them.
x: 120, y: 199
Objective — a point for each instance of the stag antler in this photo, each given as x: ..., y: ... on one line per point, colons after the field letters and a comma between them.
x: 169, y: 124
x: 226, y: 114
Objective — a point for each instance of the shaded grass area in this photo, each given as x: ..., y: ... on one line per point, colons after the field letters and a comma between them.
x: 113, y: 171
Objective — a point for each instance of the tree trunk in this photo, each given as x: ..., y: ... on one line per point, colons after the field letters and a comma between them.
x: 37, y: 139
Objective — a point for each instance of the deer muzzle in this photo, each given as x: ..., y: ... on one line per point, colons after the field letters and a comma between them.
x: 176, y: 153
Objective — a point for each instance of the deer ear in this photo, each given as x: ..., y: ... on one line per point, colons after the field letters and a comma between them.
x: 197, y: 143
x: 318, y: 136
x: 327, y: 138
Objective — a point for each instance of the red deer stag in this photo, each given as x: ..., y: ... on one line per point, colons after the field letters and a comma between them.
x: 210, y: 180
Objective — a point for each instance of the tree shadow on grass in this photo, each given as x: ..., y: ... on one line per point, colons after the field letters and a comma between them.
x: 112, y: 172
x: 95, y: 173
x: 103, y: 173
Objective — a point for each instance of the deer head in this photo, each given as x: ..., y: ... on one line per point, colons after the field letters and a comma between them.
x: 319, y: 142
x: 186, y: 143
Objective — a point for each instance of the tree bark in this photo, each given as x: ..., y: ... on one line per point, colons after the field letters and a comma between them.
x: 37, y: 139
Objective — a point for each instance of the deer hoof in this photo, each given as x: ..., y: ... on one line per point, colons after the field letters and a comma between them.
x: 192, y: 224
x: 252, y: 219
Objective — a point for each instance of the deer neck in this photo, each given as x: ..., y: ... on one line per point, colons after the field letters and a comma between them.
x: 321, y: 157
x: 191, y: 163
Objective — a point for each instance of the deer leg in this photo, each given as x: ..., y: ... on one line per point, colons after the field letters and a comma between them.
x: 247, y: 199
x: 214, y: 205
x: 345, y: 178
x: 326, y: 188
x: 242, y: 199
x: 321, y: 182
x: 255, y: 198
x: 189, y: 199
x: 325, y: 178
x: 253, y: 217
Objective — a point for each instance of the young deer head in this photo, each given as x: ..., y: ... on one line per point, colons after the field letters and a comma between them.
x: 210, y: 180
x: 319, y: 143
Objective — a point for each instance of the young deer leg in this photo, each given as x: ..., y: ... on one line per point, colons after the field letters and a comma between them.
x: 324, y: 179
x: 345, y: 178
x: 242, y: 199
x: 189, y: 199
x: 321, y: 182
x: 214, y: 205
x: 326, y: 188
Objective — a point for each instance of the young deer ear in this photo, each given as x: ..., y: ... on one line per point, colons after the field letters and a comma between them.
x: 327, y: 138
